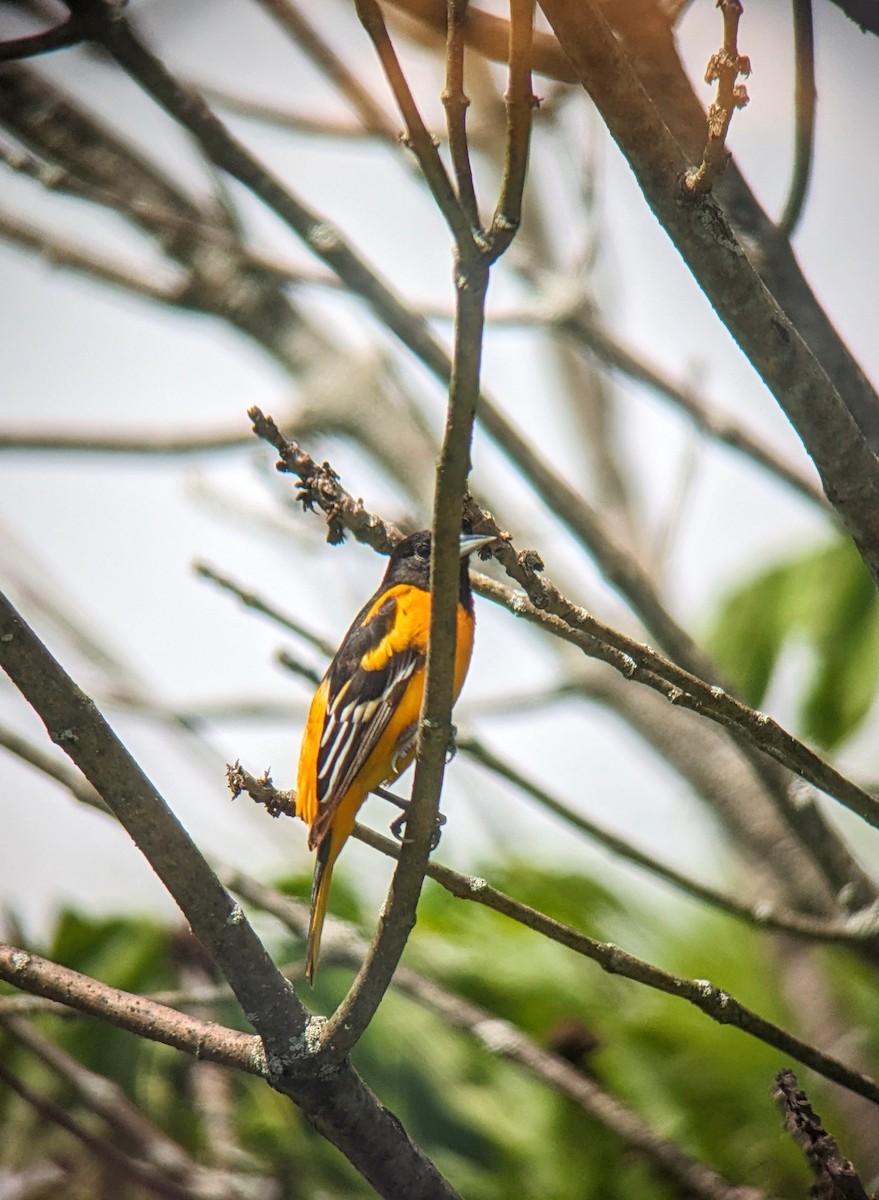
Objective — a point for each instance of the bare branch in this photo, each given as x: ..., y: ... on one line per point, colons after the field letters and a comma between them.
x: 67, y: 255
x: 252, y: 601
x: 373, y: 117
x: 621, y: 356
x: 144, y: 1174
x: 435, y: 726
x: 167, y: 1158
x: 138, y: 1015
x: 847, y: 464
x: 725, y: 67
x: 804, y: 108
x: 835, y: 1177
x: 286, y: 118
x: 68, y: 33
x: 417, y: 135
x: 338, y: 1105
x: 857, y: 927
x: 506, y: 1040
x: 519, y: 101
x: 456, y: 103
x: 714, y: 1002
x: 57, y: 769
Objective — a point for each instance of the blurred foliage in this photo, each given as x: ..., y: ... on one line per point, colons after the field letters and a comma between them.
x: 493, y: 1129
x: 824, y: 600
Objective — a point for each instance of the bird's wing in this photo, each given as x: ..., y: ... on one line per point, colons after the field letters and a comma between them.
x: 366, y: 682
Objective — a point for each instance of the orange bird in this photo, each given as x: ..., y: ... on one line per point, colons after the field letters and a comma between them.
x: 363, y: 722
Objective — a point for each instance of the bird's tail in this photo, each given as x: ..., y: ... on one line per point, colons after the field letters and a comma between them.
x: 327, y: 853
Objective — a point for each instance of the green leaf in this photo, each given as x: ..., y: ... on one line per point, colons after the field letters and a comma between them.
x: 824, y: 600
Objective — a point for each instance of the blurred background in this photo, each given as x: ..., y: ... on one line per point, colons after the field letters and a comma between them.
x: 132, y: 347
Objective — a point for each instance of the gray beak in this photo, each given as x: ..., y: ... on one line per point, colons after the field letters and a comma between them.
x: 474, y: 541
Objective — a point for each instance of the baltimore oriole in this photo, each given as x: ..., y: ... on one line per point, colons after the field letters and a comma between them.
x: 362, y: 724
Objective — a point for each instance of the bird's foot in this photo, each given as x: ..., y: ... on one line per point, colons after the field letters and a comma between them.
x: 452, y: 747
x: 398, y: 828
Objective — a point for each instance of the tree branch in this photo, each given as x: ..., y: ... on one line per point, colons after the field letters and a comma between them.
x: 142, y: 1173
x: 835, y: 1177
x: 805, y: 96
x: 714, y: 1002
x: 374, y: 120
x: 857, y: 927
x: 504, y: 1039
x: 417, y: 135
x: 167, y: 1158
x: 519, y: 101
x: 435, y: 727
x: 249, y: 599
x: 68, y: 33
x: 848, y: 467
x: 137, y: 1014
x: 456, y: 103
x: 725, y: 67
x: 337, y: 1103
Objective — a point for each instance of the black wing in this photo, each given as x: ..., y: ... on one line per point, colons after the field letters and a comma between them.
x: 360, y: 701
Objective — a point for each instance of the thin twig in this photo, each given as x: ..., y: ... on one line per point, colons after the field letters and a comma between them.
x: 520, y: 102
x: 297, y: 667
x: 176, y: 998
x: 146, y: 1018
x: 285, y: 118
x: 804, y: 107
x: 103, y: 1149
x: 835, y: 1177
x: 565, y: 310
x: 68, y: 33
x: 854, y: 928
x: 146, y: 444
x: 67, y: 255
x: 56, y: 768
x: 107, y: 1099
x: 418, y: 137
x: 374, y: 119
x: 251, y: 600
x: 456, y: 103
x: 725, y: 67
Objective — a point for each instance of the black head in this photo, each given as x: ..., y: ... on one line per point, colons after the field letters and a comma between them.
x: 410, y: 563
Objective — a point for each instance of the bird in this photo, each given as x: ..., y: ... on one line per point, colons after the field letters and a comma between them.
x: 361, y: 729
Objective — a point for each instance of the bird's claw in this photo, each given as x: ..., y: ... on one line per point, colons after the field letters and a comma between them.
x: 398, y: 826
x: 452, y: 747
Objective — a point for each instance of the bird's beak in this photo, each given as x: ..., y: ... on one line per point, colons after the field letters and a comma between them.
x: 474, y: 541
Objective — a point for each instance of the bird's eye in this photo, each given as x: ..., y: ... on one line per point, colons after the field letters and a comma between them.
x: 422, y: 552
